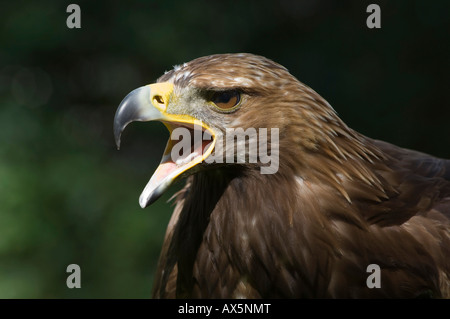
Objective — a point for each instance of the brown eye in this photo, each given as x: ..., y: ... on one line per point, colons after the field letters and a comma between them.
x: 226, y: 100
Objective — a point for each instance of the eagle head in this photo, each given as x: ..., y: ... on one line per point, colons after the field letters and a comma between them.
x: 223, y: 110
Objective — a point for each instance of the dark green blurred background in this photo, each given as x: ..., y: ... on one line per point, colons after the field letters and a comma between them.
x: 68, y: 196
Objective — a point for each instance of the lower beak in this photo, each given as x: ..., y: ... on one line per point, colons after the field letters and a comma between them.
x: 149, y: 103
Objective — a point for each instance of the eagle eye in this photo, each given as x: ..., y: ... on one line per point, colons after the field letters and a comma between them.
x: 226, y: 100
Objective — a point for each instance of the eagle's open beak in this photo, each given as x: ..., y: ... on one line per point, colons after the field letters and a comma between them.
x: 149, y: 103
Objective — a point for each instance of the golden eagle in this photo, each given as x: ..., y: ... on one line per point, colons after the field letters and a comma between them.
x: 331, y: 202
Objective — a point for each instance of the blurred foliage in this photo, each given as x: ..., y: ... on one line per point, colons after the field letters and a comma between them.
x: 68, y: 196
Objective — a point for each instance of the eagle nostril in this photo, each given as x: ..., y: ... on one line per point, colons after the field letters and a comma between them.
x: 159, y: 99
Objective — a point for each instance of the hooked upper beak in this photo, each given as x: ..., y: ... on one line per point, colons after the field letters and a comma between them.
x: 146, y: 103
x: 149, y: 103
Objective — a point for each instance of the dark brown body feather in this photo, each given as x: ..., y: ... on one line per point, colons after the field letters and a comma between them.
x: 270, y: 236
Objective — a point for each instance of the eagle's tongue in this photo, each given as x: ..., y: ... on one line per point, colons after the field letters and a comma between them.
x: 172, y: 165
